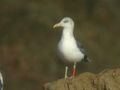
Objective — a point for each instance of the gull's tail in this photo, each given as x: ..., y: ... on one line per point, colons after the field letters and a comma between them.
x: 86, y: 59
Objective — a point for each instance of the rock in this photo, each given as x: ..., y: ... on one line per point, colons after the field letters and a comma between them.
x: 105, y: 80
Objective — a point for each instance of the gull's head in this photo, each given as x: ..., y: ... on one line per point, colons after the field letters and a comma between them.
x: 66, y: 22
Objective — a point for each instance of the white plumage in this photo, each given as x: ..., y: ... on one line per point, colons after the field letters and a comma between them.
x: 67, y: 47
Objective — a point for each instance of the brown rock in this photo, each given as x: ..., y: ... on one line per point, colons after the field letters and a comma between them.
x: 106, y: 80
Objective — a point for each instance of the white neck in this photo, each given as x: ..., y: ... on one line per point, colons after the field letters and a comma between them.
x: 67, y: 33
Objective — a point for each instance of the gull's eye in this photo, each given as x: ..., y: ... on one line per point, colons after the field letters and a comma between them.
x: 65, y: 21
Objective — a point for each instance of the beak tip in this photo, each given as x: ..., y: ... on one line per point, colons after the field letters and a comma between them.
x: 56, y: 26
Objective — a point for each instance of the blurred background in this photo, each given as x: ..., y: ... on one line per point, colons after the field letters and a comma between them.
x: 28, y: 56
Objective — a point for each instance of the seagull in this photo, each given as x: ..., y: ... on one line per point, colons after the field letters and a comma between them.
x: 68, y: 48
x: 1, y: 82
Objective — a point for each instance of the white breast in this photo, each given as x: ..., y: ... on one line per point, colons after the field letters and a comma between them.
x: 69, y: 51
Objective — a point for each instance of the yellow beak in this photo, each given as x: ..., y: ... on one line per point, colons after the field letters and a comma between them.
x: 56, y: 26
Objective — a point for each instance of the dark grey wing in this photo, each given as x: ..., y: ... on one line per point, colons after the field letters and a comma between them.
x: 80, y: 46
x: 1, y: 82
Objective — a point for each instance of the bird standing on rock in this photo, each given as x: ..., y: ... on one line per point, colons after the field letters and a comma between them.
x: 68, y: 48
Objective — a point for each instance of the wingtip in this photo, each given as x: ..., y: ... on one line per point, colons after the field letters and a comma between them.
x: 86, y: 59
x: 89, y: 60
